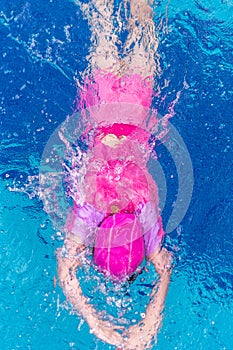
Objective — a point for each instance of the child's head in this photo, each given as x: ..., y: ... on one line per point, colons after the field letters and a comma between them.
x: 119, y: 247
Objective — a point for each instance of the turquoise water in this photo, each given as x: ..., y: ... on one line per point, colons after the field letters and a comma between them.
x: 43, y: 46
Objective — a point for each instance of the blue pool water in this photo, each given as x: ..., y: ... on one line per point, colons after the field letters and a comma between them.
x: 43, y: 47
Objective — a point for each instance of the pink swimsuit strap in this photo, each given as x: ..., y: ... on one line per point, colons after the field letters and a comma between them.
x: 117, y: 129
x: 132, y: 132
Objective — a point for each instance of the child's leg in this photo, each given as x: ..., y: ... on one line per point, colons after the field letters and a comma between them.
x: 103, y: 53
x: 142, y: 43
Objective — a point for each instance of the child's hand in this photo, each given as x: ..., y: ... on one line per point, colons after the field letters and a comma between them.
x: 140, y: 336
x: 105, y: 331
x: 162, y: 260
x: 102, y: 329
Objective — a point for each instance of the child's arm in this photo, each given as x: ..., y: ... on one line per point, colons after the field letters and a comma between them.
x: 67, y: 266
x: 141, y: 335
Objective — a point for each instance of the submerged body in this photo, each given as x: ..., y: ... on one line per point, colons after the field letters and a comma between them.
x: 119, y: 216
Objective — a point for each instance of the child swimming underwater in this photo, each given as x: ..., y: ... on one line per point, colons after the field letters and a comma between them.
x: 119, y: 216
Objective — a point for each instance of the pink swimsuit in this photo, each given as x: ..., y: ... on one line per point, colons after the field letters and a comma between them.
x: 119, y: 217
x: 109, y: 88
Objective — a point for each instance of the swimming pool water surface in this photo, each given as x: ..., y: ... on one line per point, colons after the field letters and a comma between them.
x: 43, y: 48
